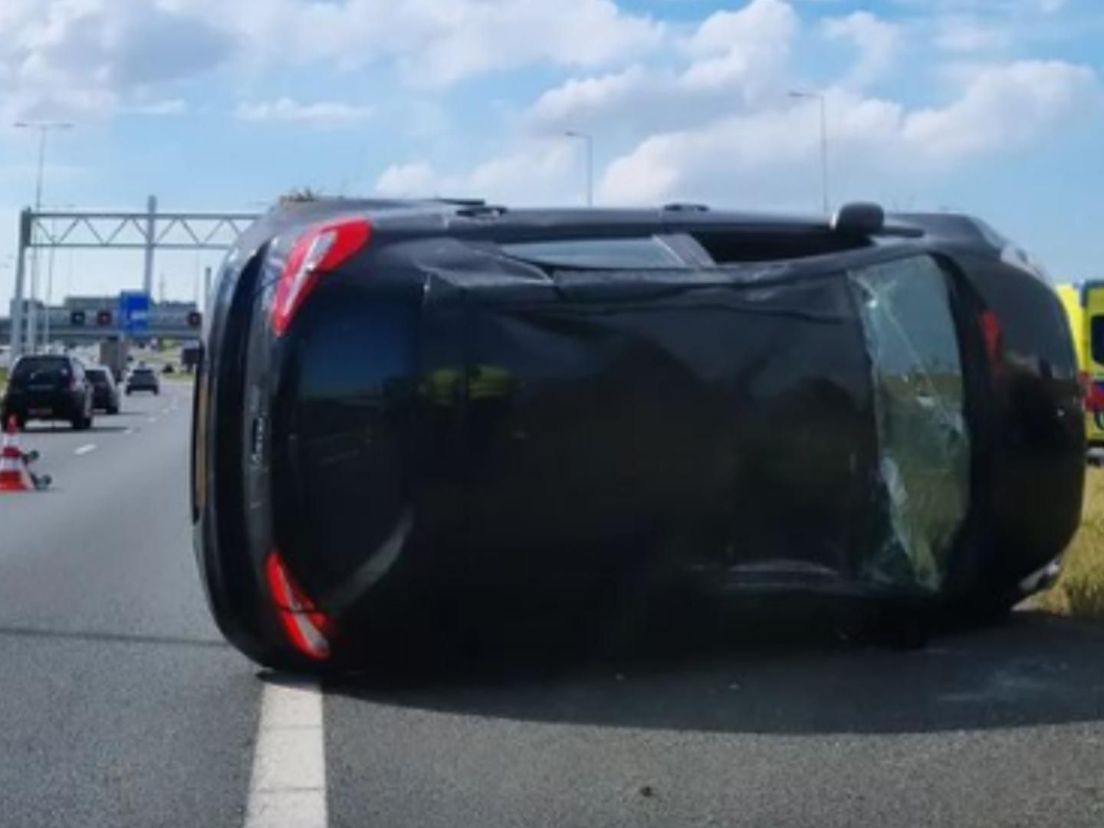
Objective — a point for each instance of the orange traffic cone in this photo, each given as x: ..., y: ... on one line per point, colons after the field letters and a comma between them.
x: 13, y: 471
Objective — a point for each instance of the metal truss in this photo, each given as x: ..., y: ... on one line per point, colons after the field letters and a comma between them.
x: 148, y: 231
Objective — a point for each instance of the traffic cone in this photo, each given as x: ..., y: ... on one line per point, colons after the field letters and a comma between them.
x: 13, y: 472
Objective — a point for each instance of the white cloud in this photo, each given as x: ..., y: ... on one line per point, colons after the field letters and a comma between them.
x: 535, y: 172
x: 734, y: 59
x: 878, y: 43
x: 87, y: 57
x: 315, y: 113
x: 765, y: 155
x: 434, y: 43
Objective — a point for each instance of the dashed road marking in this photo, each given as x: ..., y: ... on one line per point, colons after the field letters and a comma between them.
x: 87, y: 447
x: 288, y: 785
x: 151, y: 419
x: 128, y: 430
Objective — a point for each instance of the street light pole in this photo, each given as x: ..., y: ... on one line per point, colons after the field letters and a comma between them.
x: 823, y: 101
x: 589, y: 139
x: 43, y: 128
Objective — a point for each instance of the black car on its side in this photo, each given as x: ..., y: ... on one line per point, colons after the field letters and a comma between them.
x: 105, y: 393
x: 48, y: 387
x: 411, y: 414
x: 143, y: 379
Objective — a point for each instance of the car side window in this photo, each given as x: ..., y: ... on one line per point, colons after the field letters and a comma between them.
x: 1097, y: 336
x: 919, y: 402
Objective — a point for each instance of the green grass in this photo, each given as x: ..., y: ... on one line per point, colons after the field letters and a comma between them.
x: 1080, y: 589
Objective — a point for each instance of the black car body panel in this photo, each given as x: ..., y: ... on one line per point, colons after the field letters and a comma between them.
x: 483, y: 402
x: 48, y: 387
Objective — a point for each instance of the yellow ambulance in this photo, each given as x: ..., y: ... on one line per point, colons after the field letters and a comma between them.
x: 1084, y: 304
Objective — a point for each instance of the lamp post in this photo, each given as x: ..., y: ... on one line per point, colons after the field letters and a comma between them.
x: 589, y: 140
x: 43, y: 128
x: 823, y: 101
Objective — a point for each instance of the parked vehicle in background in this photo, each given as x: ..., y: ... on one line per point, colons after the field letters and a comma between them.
x: 143, y: 378
x: 48, y: 387
x: 408, y: 419
x: 114, y: 353
x: 105, y: 391
x: 1084, y: 306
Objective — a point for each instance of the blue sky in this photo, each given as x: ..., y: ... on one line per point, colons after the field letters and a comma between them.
x: 995, y: 107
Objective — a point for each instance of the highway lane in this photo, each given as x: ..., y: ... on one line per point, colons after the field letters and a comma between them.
x: 119, y: 705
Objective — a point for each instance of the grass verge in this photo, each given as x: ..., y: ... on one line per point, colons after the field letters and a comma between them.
x: 1080, y: 589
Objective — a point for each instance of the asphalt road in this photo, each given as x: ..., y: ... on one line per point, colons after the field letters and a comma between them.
x: 119, y: 704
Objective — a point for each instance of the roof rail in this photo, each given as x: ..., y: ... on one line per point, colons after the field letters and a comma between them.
x: 685, y: 207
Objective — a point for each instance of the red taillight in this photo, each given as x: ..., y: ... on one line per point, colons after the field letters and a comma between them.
x: 993, y: 335
x: 305, y: 625
x: 323, y: 248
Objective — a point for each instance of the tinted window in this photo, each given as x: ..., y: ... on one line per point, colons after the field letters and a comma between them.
x: 41, y: 366
x: 1097, y: 334
x: 97, y: 375
x: 648, y: 253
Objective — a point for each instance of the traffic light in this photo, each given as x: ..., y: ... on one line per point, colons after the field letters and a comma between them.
x: 76, y: 318
x: 195, y: 319
x: 103, y: 318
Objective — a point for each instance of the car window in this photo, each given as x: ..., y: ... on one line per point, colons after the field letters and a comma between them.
x: 1097, y: 334
x: 920, y: 412
x: 646, y: 252
x: 41, y: 366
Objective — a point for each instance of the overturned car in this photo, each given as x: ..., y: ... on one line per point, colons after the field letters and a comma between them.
x: 412, y: 412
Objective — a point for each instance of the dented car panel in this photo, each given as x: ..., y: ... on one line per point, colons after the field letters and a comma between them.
x: 483, y: 402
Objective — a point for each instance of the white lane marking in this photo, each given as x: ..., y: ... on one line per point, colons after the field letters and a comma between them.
x: 87, y: 447
x: 128, y: 430
x: 288, y: 785
x: 151, y: 419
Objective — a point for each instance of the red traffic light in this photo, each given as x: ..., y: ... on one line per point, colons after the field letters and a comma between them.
x: 103, y: 318
x: 195, y: 319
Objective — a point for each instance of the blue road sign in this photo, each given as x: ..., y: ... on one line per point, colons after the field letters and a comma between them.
x: 134, y: 311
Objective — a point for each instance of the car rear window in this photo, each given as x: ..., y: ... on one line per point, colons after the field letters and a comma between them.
x: 645, y: 252
x: 143, y: 372
x: 29, y: 367
x: 96, y: 374
x: 728, y: 247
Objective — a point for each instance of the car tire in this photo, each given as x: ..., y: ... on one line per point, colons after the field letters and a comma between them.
x: 114, y: 409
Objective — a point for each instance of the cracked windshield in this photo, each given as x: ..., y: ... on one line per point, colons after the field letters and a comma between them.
x: 603, y: 413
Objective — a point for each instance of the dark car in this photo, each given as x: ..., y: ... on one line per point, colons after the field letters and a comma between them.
x: 105, y: 393
x: 142, y: 379
x: 48, y: 387
x: 409, y: 414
